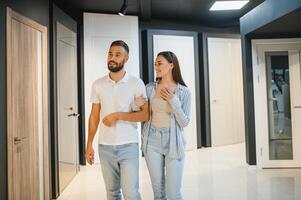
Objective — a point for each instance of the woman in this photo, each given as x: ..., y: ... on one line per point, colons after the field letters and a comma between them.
x: 163, y: 140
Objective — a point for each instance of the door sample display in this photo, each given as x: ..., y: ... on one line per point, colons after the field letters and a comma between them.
x: 68, y: 159
x: 277, y: 100
x: 183, y: 47
x: 27, y: 111
x: 98, y: 36
x: 226, y: 91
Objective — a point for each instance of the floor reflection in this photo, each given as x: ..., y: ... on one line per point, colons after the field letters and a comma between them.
x: 218, y: 173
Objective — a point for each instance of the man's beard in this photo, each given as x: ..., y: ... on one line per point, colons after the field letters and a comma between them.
x: 116, y: 68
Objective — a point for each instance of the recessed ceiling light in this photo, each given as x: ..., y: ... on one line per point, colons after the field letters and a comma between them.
x: 228, y: 5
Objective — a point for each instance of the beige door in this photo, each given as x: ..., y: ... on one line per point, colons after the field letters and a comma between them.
x: 67, y: 105
x: 28, y: 172
x: 226, y: 91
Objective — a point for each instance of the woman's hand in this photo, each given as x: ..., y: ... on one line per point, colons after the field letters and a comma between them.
x: 166, y: 94
x: 140, y: 101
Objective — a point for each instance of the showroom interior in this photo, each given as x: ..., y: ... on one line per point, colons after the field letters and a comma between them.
x: 242, y: 66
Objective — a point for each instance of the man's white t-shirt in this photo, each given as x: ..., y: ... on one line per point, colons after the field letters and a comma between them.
x: 117, y: 97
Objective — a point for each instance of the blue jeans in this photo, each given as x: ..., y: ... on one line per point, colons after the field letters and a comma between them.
x: 165, y: 173
x: 120, y: 169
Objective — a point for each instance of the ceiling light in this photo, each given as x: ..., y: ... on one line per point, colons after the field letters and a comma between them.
x: 123, y: 8
x: 228, y: 5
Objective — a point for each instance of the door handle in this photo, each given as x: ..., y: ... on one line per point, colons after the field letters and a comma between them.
x: 73, y: 115
x: 297, y: 106
x: 272, y: 99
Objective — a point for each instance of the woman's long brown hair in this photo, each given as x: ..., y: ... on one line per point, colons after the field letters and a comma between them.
x: 176, y: 71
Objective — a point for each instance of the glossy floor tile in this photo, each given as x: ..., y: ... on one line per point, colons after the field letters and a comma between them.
x: 67, y: 172
x: 218, y: 173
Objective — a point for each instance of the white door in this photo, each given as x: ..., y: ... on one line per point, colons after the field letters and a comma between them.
x: 226, y: 91
x: 277, y: 98
x: 67, y: 106
x: 98, y: 35
x: 183, y: 47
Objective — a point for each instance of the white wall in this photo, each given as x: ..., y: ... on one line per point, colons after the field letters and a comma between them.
x: 183, y: 47
x: 100, y: 30
x: 226, y: 91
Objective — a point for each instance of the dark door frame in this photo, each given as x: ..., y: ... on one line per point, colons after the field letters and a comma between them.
x: 57, y: 15
x: 206, y: 90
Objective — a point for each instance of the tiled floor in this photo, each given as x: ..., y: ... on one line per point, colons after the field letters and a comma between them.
x: 218, y: 173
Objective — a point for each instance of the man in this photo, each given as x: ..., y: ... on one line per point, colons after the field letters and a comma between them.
x: 111, y: 99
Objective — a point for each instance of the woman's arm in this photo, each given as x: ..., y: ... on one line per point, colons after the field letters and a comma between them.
x: 182, y: 109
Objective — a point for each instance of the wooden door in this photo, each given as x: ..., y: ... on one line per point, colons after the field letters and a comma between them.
x: 28, y: 171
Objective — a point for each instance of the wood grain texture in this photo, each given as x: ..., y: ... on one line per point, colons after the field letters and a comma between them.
x: 23, y: 107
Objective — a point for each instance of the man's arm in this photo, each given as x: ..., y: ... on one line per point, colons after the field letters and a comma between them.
x: 140, y: 116
x: 93, y: 125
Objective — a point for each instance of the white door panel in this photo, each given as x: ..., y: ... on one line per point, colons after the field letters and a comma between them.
x: 68, y: 160
x: 98, y: 35
x: 226, y: 91
x: 183, y: 47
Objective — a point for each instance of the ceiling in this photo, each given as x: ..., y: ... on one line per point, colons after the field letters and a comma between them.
x: 194, y: 12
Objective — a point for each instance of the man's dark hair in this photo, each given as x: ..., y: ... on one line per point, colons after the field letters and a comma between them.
x: 122, y: 44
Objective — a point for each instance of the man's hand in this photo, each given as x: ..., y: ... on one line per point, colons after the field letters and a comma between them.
x: 90, y: 154
x: 110, y: 119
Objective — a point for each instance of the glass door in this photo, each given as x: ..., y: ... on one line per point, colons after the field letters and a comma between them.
x: 277, y: 102
x: 279, y: 106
